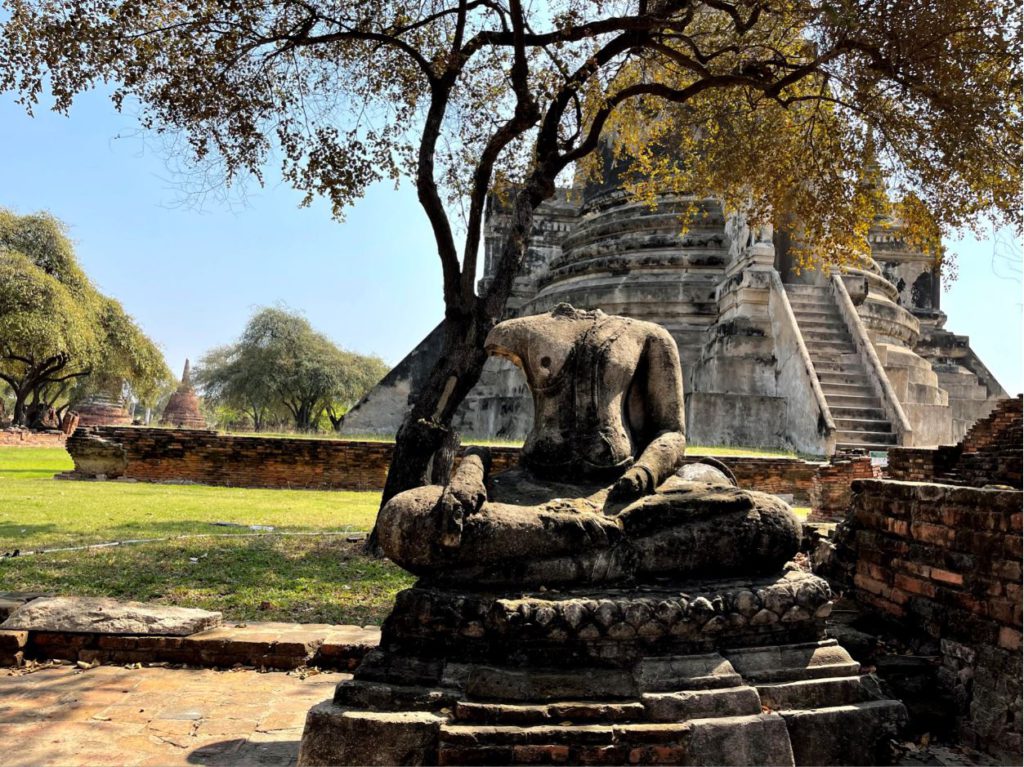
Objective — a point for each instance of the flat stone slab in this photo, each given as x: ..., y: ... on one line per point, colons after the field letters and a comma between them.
x: 96, y: 615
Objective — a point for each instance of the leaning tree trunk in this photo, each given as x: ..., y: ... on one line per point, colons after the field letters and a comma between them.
x: 427, y: 428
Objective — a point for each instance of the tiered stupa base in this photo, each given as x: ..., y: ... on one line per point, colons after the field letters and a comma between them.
x: 731, y: 672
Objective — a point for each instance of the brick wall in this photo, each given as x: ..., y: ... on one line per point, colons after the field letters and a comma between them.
x: 989, y: 454
x: 831, y: 494
x: 26, y: 438
x: 946, y: 563
x: 181, y: 455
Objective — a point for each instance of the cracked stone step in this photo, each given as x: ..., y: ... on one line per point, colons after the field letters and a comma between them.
x: 838, y: 734
x: 816, y: 693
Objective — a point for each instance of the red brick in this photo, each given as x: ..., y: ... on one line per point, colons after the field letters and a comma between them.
x: 1003, y: 610
x: 546, y: 754
x: 1009, y: 639
x: 914, y: 585
x: 945, y: 576
x: 929, y: 533
x: 871, y: 585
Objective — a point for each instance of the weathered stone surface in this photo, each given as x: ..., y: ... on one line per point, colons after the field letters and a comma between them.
x: 12, y: 600
x: 96, y: 456
x: 845, y: 735
x: 819, y: 693
x: 793, y: 662
x: 577, y: 624
x: 334, y: 735
x: 94, y: 615
x: 701, y: 704
x: 537, y: 684
x: 595, y: 499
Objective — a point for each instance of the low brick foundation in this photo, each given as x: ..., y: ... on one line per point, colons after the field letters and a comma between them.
x: 27, y: 438
x: 831, y: 491
x: 280, y: 646
x: 204, y: 457
x: 945, y: 563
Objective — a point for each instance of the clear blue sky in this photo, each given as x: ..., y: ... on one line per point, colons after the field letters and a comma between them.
x: 191, y: 274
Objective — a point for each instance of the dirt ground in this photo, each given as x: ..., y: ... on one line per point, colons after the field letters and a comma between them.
x: 111, y: 715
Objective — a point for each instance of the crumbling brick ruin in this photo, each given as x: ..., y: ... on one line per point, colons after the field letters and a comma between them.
x: 936, y: 555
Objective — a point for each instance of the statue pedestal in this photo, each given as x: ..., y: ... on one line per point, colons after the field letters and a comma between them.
x: 726, y: 672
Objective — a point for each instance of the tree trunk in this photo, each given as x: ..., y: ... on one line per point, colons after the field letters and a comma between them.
x: 427, y: 426
x: 18, y: 416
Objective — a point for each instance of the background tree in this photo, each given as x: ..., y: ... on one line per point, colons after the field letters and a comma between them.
x: 463, y: 94
x: 282, y: 363
x: 60, y: 339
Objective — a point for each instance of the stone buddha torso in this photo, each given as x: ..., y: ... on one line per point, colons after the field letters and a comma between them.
x: 585, y: 403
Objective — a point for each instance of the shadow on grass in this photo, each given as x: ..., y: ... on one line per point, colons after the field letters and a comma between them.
x: 14, y: 530
x: 282, y: 578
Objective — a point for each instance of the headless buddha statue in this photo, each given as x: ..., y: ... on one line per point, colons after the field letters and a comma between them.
x: 598, y: 495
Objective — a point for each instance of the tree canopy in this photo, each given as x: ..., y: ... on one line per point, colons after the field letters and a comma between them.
x: 60, y: 339
x: 773, y: 106
x: 281, y: 363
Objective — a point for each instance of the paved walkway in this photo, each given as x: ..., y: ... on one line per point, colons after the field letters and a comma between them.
x: 111, y: 715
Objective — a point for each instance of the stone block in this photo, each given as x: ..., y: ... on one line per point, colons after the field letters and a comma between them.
x: 686, y: 672
x: 786, y: 663
x: 95, y: 615
x: 858, y: 734
x: 536, y: 684
x: 338, y: 736
x: 818, y: 693
x: 700, y: 704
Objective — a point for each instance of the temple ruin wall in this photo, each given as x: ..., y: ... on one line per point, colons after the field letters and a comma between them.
x: 179, y: 455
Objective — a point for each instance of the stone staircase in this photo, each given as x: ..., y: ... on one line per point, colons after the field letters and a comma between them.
x: 860, y: 420
x: 761, y: 705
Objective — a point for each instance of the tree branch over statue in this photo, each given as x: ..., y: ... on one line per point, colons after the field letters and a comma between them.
x: 771, y: 108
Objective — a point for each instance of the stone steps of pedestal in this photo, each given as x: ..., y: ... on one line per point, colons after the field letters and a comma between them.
x: 652, y: 707
x: 761, y: 737
x: 858, y: 733
x: 817, y: 693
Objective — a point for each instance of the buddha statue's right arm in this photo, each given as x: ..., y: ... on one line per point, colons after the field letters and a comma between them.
x: 663, y: 414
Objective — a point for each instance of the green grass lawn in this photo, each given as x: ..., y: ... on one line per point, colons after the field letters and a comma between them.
x: 307, y: 576
x: 301, y: 571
